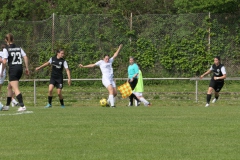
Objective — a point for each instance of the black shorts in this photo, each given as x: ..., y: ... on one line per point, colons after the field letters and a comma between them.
x: 216, y: 85
x: 15, y: 73
x: 57, y: 82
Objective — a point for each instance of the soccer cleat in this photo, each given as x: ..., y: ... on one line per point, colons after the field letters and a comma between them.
x: 20, y: 109
x: 113, y: 106
x: 48, y: 106
x: 5, y: 108
x: 108, y: 103
x: 207, y: 105
x: 149, y: 104
x: 62, y: 106
x: 214, y: 100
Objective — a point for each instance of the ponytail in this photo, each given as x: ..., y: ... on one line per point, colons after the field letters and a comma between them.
x: 9, y: 38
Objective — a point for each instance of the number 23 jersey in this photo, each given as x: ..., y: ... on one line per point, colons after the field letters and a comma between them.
x: 14, y: 55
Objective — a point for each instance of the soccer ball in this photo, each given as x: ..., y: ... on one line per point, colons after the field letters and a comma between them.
x: 103, y: 102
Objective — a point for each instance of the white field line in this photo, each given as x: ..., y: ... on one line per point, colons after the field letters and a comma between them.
x: 13, y: 114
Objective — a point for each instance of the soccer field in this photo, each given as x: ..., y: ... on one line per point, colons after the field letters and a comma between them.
x: 171, y: 130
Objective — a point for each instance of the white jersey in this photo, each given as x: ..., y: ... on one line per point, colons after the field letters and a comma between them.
x: 106, y: 68
x: 1, y: 56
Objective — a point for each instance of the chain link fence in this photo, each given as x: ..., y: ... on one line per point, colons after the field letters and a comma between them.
x: 88, y: 37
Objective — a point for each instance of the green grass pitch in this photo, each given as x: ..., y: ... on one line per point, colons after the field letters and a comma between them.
x: 169, y: 129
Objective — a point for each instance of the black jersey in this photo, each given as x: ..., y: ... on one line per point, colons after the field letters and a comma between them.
x: 57, y: 66
x: 217, y: 71
x: 14, y: 56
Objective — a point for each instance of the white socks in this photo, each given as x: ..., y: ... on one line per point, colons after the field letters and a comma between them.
x: 111, y: 100
x: 14, y: 101
x: 144, y: 101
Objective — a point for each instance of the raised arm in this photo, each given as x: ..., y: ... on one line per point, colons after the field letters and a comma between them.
x: 87, y: 66
x: 118, y: 50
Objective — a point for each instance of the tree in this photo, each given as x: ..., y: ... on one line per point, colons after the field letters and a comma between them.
x: 213, y: 6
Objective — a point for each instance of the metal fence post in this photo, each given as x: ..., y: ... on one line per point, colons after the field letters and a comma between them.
x: 131, y: 16
x: 34, y: 90
x: 209, y: 34
x: 196, y: 90
x: 53, y: 30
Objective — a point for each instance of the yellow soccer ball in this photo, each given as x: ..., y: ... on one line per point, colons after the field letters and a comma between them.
x: 103, y: 102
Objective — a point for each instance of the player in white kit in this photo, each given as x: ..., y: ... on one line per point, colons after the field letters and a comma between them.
x: 2, y: 78
x: 107, y: 74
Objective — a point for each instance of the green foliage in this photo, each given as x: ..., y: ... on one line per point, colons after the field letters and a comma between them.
x: 146, y: 53
x: 187, y: 55
x: 214, y: 6
x: 176, y: 45
x: 190, y: 54
x: 40, y: 10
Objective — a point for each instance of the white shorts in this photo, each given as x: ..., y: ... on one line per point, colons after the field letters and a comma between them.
x: 138, y: 94
x: 2, y: 79
x: 106, y: 81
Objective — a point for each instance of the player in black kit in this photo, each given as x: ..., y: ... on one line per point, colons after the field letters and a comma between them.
x: 58, y: 63
x: 13, y: 56
x: 217, y: 80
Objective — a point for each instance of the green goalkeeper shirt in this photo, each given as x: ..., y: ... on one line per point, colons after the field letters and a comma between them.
x: 139, y: 86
